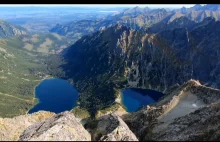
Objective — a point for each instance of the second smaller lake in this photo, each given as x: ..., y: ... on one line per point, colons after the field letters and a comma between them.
x: 134, y: 98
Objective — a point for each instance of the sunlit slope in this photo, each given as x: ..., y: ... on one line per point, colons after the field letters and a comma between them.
x: 8, y: 30
x: 19, y: 73
x: 41, y: 43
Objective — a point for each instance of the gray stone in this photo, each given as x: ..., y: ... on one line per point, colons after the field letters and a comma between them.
x: 61, y: 127
x: 113, y: 128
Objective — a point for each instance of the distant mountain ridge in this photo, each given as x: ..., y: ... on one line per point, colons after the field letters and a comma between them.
x: 198, y: 12
x: 211, y: 7
x: 137, y: 18
x: 75, y: 30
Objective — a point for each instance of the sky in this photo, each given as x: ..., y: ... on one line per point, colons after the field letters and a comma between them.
x: 104, y: 5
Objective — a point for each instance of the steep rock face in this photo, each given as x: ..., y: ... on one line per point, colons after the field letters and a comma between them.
x: 61, y: 127
x: 8, y: 30
x: 112, y: 128
x: 190, y: 112
x: 182, y: 22
x: 12, y: 128
x: 121, y: 57
x: 147, y: 59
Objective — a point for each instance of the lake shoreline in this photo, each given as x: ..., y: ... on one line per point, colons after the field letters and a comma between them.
x: 35, y: 98
x: 116, y: 107
x: 54, y: 95
x: 134, y: 98
x: 119, y: 100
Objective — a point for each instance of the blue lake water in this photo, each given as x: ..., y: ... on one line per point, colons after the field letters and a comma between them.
x: 133, y: 98
x: 55, y: 95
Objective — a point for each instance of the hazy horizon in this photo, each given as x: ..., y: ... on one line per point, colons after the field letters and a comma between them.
x: 101, y: 5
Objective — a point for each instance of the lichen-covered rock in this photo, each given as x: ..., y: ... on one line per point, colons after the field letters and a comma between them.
x: 61, y: 127
x: 112, y: 128
x: 12, y: 128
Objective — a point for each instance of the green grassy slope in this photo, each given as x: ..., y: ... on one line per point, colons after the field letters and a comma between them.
x: 19, y: 74
x: 42, y: 43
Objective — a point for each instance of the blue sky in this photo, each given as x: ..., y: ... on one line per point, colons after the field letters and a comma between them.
x: 105, y: 5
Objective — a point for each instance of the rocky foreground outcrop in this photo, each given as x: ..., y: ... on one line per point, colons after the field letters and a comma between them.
x: 61, y: 127
x: 187, y: 113
x: 12, y: 128
x: 46, y: 126
x: 111, y: 128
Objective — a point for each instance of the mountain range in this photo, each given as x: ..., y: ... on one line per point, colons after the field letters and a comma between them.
x: 172, y: 51
x: 134, y: 58
x: 136, y: 18
x: 110, y: 53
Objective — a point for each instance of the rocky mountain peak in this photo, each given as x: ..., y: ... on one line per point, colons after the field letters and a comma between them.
x: 197, y: 7
x: 193, y: 82
x: 212, y: 7
x: 147, y: 8
x: 136, y: 7
x: 183, y: 10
